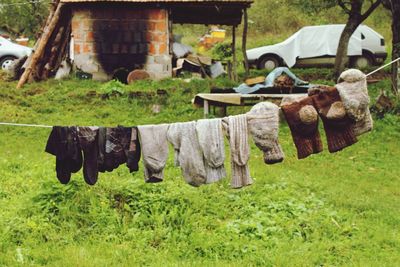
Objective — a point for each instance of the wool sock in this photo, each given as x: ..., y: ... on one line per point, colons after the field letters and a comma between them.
x: 237, y: 133
x: 188, y: 153
x: 211, y: 140
x: 154, y: 145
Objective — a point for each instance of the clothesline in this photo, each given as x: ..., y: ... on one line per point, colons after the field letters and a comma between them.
x: 48, y: 126
x: 384, y: 66
x: 25, y: 125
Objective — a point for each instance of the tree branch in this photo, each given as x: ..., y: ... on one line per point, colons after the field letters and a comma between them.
x: 342, y: 4
x: 370, y: 9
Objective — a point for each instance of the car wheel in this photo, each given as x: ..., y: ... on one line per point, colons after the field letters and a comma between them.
x: 268, y: 63
x: 362, y: 62
x: 7, y: 62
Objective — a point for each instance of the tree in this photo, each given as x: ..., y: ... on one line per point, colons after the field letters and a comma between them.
x: 357, y: 11
x: 356, y: 16
x: 394, y: 7
x: 23, y: 17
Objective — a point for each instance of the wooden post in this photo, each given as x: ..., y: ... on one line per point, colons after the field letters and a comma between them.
x: 48, y: 30
x: 244, y: 42
x: 234, y: 63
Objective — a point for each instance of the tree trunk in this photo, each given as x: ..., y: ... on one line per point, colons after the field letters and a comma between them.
x: 396, y: 44
x: 341, y: 54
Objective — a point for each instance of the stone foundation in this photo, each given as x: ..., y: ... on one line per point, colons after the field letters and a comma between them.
x: 107, y: 39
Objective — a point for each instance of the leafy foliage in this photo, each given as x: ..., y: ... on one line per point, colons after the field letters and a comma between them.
x: 23, y: 17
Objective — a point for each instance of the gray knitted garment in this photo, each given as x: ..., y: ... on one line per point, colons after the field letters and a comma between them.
x: 263, y: 123
x: 154, y: 145
x: 188, y: 154
x: 354, y: 94
x: 236, y: 129
x: 211, y: 140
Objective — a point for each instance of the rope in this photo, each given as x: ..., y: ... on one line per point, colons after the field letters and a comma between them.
x: 25, y: 125
x: 48, y: 126
x: 384, y: 66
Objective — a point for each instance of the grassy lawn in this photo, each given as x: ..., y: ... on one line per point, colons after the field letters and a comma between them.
x: 338, y: 209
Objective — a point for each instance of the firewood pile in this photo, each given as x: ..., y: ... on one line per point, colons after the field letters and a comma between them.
x: 284, y: 83
x: 51, y: 48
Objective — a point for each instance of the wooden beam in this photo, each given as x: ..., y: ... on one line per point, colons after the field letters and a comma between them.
x: 244, y: 42
x: 48, y: 30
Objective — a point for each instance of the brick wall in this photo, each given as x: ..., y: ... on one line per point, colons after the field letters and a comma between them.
x: 106, y: 39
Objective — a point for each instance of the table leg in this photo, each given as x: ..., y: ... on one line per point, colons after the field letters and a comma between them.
x: 206, y: 109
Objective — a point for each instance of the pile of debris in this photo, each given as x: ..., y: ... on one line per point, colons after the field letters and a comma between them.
x: 185, y: 61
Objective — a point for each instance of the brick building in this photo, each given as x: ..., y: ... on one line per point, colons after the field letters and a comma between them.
x: 137, y: 34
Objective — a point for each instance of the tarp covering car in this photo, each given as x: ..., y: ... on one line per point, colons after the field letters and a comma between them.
x: 311, y: 41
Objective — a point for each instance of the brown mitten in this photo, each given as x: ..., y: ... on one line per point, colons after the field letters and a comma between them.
x: 302, y: 119
x: 338, y: 126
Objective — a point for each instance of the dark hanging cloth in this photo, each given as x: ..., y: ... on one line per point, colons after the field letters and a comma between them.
x: 118, y: 146
x: 64, y: 144
x: 134, y: 151
x: 88, y: 139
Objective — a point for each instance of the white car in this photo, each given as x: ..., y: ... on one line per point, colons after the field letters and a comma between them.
x: 317, y: 46
x: 10, y: 51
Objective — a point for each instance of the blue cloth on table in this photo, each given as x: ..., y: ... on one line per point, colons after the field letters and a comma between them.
x: 269, y: 82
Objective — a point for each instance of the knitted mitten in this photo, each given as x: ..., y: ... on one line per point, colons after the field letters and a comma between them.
x: 302, y: 119
x: 338, y: 126
x: 354, y: 94
x: 263, y: 123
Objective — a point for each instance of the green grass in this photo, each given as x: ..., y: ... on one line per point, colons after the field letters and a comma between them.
x: 338, y: 209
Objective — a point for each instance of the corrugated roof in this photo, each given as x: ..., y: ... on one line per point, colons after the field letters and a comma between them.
x: 163, y: 1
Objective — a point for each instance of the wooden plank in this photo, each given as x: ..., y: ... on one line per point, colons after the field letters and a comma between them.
x: 41, y: 46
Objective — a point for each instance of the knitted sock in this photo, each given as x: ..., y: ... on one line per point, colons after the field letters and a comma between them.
x: 263, y: 123
x: 188, y: 153
x: 132, y: 150
x: 236, y: 129
x: 89, y: 144
x: 153, y: 139
x: 338, y: 126
x: 63, y: 143
x: 211, y: 140
x: 101, y: 142
x: 302, y: 119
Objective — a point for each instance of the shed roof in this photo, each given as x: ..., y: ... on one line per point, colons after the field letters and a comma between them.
x: 223, y: 12
x: 163, y: 1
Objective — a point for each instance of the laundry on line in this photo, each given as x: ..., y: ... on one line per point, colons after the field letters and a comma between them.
x: 199, y: 145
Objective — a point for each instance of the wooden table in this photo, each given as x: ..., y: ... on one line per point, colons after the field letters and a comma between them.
x: 234, y: 99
